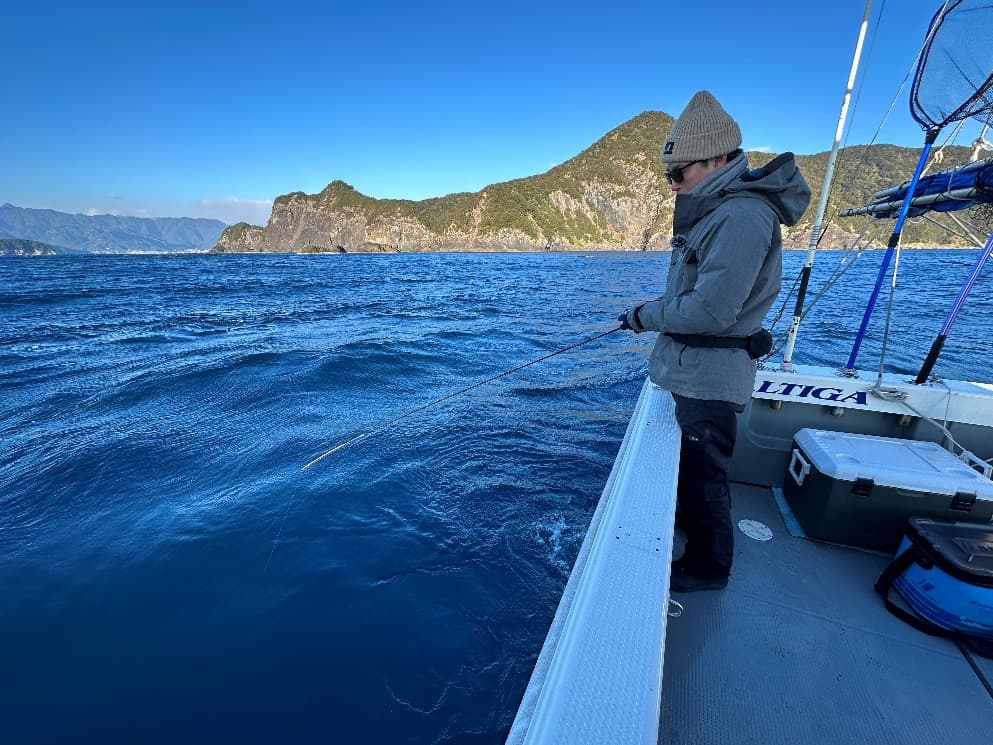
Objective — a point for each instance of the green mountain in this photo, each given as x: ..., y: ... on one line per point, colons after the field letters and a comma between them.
x: 613, y: 195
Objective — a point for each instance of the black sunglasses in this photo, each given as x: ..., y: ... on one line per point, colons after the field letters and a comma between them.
x: 677, y: 174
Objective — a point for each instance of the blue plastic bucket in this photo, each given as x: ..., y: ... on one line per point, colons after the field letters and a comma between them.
x: 956, y: 590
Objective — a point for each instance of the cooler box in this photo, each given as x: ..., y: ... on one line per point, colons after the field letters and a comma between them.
x: 950, y: 582
x: 860, y: 489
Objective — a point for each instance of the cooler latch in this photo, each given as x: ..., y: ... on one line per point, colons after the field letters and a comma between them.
x: 963, y: 502
x: 862, y: 486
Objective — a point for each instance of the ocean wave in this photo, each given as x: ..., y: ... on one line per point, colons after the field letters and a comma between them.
x: 159, y: 531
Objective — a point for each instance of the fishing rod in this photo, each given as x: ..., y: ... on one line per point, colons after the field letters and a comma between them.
x: 435, y: 402
x: 817, y: 232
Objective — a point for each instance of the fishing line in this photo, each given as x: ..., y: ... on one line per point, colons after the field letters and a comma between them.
x: 279, y: 532
x: 394, y: 420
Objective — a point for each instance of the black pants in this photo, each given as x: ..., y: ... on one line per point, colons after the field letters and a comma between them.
x: 703, y: 496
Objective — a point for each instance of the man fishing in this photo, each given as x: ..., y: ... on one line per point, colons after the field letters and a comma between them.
x: 724, y: 275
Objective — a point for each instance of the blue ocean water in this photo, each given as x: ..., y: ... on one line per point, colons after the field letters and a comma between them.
x: 168, y: 573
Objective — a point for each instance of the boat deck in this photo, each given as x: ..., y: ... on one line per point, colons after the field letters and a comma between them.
x: 797, y: 649
x: 800, y: 649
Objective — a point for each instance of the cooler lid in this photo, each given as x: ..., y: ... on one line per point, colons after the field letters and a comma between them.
x: 966, y: 548
x: 890, y: 461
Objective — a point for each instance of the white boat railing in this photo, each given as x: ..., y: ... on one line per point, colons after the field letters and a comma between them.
x: 598, y: 676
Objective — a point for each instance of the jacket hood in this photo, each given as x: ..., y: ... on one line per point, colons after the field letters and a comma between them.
x: 779, y: 183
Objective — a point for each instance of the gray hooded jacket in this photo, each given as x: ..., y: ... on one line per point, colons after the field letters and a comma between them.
x: 724, y: 277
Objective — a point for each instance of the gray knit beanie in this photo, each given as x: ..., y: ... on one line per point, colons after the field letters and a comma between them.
x: 704, y: 130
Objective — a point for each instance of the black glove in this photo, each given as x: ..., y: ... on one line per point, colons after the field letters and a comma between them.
x: 626, y: 324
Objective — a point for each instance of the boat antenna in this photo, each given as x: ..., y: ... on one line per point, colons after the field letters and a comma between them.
x: 387, y: 424
x: 816, y: 231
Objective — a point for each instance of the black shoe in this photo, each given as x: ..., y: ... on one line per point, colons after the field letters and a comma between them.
x: 683, y: 565
x: 682, y: 581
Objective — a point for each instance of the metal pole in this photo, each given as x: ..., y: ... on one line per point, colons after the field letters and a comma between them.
x: 929, y: 138
x: 939, y: 340
x: 815, y: 234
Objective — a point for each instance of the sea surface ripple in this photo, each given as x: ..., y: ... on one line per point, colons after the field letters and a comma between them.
x: 168, y: 572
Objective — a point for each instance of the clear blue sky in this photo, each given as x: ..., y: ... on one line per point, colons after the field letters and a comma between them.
x: 212, y: 109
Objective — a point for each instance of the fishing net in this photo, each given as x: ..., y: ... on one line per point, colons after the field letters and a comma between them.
x: 954, y: 78
x: 982, y: 215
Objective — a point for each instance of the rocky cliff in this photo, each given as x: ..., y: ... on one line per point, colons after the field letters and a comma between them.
x: 611, y: 196
x: 21, y: 247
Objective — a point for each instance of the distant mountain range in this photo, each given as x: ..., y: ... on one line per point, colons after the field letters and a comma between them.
x: 103, y: 234
x: 613, y: 195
